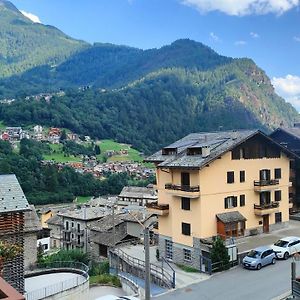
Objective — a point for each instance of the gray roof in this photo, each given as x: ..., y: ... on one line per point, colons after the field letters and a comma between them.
x: 231, y: 217
x: 294, y: 131
x: 106, y: 238
x: 106, y: 223
x: 86, y: 213
x: 138, y: 192
x: 12, y: 198
x: 217, y: 142
x: 55, y: 220
x: 31, y: 220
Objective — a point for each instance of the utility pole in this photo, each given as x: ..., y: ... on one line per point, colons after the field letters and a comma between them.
x: 147, y: 263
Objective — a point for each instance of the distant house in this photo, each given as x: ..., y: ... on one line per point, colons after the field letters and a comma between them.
x: 38, y: 129
x: 137, y: 195
x: 5, y: 136
x: 55, y: 224
x: 15, y: 133
x: 13, y: 205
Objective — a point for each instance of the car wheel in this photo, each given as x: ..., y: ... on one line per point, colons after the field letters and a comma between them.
x: 273, y: 261
x: 286, y: 255
x: 258, y: 267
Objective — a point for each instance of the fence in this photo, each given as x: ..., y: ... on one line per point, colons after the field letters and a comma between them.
x: 126, y: 263
x: 60, y: 286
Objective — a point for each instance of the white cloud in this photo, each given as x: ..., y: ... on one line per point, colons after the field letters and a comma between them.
x: 31, y: 16
x: 243, y: 7
x: 240, y: 43
x: 254, y: 35
x: 296, y: 38
x: 213, y: 37
x: 288, y: 87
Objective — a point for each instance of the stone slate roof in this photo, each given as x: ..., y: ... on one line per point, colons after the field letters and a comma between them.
x: 31, y: 219
x: 12, y: 198
x: 55, y: 220
x: 106, y: 223
x: 138, y: 192
x: 218, y: 143
x: 230, y: 217
x: 86, y: 213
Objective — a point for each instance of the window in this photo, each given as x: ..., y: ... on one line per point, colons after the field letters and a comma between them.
x: 230, y: 177
x: 277, y: 173
x: 186, y: 228
x: 169, y: 249
x: 72, y: 224
x: 264, y: 175
x: 242, y: 176
x: 185, y: 179
x: 67, y: 225
x: 278, y: 217
x: 230, y: 202
x: 185, y: 203
x: 242, y: 200
x: 277, y: 195
x: 187, y: 254
x: 78, y: 227
x: 45, y: 247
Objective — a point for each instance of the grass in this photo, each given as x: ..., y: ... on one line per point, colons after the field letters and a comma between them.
x: 82, y: 199
x: 133, y: 154
x: 105, y: 279
x: 187, y: 269
x: 58, y: 155
x: 2, y: 126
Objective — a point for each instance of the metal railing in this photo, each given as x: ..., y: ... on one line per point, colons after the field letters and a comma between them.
x: 158, y: 274
x: 59, y: 286
x: 266, y: 182
x: 273, y: 204
x: 183, y: 188
x: 172, y: 270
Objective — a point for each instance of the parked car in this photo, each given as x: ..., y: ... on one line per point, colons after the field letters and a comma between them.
x: 287, y: 246
x: 259, y: 257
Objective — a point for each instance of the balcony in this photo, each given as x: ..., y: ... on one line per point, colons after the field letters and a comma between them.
x: 76, y: 231
x: 158, y: 209
x: 265, y: 185
x: 65, y: 230
x: 189, y: 191
x: 76, y: 244
x: 266, y: 209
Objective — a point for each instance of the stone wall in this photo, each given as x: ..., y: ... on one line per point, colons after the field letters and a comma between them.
x: 30, y: 249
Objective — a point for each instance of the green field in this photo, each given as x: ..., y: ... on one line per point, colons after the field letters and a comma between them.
x: 133, y: 154
x: 82, y: 199
x: 2, y: 126
x: 58, y: 155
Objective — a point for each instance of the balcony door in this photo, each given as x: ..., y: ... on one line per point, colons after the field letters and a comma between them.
x: 266, y: 223
x: 185, y: 179
x: 264, y: 175
x: 264, y: 198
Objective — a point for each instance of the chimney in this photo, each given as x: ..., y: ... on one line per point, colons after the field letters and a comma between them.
x: 205, y: 151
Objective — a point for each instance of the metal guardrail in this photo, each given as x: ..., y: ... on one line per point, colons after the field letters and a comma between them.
x: 157, y: 272
x: 266, y: 182
x: 273, y: 204
x: 60, y: 286
x: 173, y: 271
x: 183, y: 188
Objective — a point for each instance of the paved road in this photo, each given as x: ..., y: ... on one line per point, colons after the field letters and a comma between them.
x: 238, y: 283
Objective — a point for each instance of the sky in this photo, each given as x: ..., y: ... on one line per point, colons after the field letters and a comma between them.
x: 268, y: 31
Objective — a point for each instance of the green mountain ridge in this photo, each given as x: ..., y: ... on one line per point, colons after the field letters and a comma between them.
x: 147, y: 98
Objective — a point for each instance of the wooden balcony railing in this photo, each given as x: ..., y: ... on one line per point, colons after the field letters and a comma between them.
x: 183, y: 188
x: 266, y: 182
x: 157, y: 206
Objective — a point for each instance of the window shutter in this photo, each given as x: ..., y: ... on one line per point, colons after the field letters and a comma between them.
x: 234, y: 201
x: 225, y: 203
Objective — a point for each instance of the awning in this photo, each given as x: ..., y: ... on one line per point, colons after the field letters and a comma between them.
x: 231, y: 217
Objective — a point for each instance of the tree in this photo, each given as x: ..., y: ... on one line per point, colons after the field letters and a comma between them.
x: 97, y: 150
x: 219, y: 254
x: 8, y: 252
x: 63, y: 136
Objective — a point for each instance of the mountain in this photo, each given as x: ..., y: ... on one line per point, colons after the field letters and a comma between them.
x: 148, y: 98
x: 25, y: 44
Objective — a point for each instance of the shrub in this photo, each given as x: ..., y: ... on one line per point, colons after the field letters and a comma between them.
x: 219, y: 255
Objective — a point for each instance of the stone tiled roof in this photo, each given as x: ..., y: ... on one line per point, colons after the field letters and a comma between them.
x: 218, y: 143
x: 138, y: 192
x: 12, y: 197
x: 231, y: 217
x: 294, y: 131
x: 106, y: 223
x: 32, y: 222
x: 86, y: 213
x: 55, y: 220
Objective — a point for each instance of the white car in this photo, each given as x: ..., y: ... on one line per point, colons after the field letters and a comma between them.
x: 287, y: 246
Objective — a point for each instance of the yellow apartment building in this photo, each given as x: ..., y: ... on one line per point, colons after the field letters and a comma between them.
x: 230, y: 184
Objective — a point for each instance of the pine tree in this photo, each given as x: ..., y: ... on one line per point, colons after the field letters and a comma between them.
x: 219, y: 254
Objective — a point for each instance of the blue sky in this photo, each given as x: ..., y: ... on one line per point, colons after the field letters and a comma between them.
x: 268, y: 31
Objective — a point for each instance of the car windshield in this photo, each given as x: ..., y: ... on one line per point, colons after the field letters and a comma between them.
x: 254, y: 254
x: 281, y: 243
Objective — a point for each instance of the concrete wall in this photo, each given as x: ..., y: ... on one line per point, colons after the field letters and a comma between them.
x: 30, y: 249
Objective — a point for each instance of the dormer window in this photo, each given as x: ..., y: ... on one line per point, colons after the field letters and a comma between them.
x: 194, y: 151
x: 169, y: 151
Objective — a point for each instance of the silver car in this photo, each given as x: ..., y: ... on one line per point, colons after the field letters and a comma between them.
x: 259, y: 257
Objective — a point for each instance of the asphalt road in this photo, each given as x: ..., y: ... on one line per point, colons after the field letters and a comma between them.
x: 238, y: 283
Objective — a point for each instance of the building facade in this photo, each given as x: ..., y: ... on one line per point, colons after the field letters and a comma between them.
x: 228, y: 184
